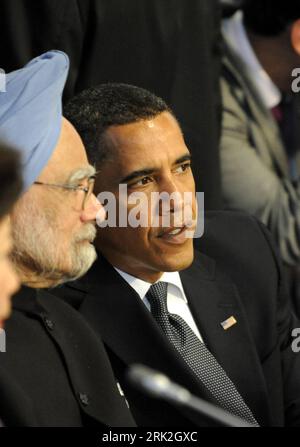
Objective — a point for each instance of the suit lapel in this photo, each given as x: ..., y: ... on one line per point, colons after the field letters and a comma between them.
x: 211, y: 302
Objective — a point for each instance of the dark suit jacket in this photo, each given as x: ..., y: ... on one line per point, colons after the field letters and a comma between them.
x: 170, y: 47
x: 242, y: 278
x: 55, y: 371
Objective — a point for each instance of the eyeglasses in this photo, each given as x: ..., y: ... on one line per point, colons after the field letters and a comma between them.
x: 88, y: 190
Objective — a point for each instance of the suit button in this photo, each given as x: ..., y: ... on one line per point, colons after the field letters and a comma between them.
x: 49, y: 323
x: 84, y: 399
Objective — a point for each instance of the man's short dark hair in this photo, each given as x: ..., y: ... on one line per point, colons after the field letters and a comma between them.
x: 270, y: 17
x: 10, y: 179
x: 96, y: 109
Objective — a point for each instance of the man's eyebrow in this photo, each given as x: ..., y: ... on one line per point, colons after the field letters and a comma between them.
x: 81, y: 174
x: 136, y: 174
x: 186, y: 157
x: 149, y: 171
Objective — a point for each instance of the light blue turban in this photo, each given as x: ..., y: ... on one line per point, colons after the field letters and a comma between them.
x: 31, y: 111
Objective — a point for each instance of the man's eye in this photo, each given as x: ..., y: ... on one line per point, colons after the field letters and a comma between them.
x: 184, y: 167
x: 142, y: 182
x: 77, y: 187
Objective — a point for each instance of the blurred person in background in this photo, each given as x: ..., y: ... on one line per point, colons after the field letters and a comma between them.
x: 10, y: 189
x: 260, y: 142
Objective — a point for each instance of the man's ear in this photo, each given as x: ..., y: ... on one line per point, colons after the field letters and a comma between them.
x: 295, y: 36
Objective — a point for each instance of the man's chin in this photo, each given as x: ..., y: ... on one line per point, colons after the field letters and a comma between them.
x: 85, y: 258
x: 81, y: 263
x: 177, y: 264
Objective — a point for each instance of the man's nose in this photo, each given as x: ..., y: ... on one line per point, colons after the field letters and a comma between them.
x: 172, y: 197
x: 92, y: 209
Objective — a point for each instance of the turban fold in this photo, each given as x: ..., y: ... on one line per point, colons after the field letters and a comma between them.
x: 31, y: 111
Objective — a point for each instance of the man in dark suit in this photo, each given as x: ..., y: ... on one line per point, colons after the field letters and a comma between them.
x: 218, y: 323
x: 55, y: 372
x: 170, y: 47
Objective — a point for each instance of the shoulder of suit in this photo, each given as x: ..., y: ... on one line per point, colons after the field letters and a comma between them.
x: 233, y: 226
x: 235, y: 236
x: 42, y: 303
x: 53, y: 305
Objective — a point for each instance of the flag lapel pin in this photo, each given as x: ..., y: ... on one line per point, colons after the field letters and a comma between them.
x: 227, y: 324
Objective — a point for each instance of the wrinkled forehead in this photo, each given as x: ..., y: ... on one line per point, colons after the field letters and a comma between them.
x: 68, y: 157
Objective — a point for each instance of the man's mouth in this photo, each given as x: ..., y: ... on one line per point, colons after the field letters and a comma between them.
x: 85, y: 241
x: 87, y: 235
x: 175, y: 235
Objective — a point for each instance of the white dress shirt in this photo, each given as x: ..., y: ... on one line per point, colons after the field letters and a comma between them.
x: 237, y: 39
x: 176, y: 300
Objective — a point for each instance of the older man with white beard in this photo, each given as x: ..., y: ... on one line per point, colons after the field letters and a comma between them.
x: 55, y: 371
x: 53, y: 226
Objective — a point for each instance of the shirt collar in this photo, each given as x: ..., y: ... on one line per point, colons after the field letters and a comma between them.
x: 27, y: 300
x: 237, y: 39
x: 142, y: 287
